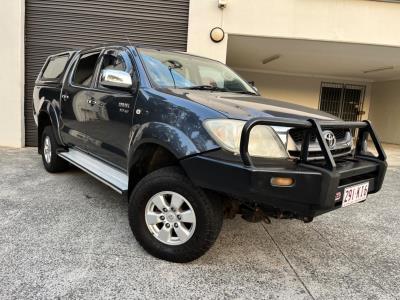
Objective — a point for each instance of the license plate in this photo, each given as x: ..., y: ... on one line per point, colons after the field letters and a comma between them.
x: 355, y: 193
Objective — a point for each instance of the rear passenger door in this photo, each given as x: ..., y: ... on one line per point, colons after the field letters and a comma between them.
x: 109, y: 129
x: 76, y: 97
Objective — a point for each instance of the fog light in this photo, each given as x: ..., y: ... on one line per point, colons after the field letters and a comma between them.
x: 282, y: 181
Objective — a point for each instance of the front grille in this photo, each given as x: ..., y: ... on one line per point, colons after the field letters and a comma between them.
x: 318, y: 154
x: 298, y: 134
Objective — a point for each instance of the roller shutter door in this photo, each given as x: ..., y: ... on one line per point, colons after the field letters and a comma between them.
x: 59, y: 25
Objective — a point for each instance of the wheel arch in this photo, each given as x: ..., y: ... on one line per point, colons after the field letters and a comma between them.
x: 47, y: 117
x: 162, y: 145
x: 149, y: 156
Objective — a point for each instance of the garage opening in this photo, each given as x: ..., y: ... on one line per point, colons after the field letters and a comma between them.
x: 59, y: 25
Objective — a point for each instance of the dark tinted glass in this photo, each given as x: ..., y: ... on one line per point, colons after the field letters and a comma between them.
x: 113, y: 61
x: 85, y: 69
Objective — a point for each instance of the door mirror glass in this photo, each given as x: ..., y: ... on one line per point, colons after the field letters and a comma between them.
x: 116, y: 79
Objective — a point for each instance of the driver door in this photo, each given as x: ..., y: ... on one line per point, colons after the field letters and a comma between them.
x: 109, y: 130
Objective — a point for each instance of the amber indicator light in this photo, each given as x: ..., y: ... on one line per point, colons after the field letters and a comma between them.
x: 282, y: 181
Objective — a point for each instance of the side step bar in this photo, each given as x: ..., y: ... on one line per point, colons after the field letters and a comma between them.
x: 110, y: 176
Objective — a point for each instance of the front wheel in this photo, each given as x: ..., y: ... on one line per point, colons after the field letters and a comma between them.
x: 171, y: 218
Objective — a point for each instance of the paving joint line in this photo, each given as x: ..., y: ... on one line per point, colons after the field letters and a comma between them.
x: 289, y: 263
x: 360, y: 266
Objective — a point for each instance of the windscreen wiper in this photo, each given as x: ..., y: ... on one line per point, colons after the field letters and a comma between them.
x: 218, y: 89
x: 245, y: 93
x: 206, y: 88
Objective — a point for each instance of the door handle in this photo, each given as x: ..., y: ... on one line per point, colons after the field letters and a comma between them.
x: 91, y: 101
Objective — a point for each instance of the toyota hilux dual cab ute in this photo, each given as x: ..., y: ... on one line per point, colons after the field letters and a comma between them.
x: 189, y: 142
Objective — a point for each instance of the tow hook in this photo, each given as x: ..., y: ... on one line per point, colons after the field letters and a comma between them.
x: 253, y: 216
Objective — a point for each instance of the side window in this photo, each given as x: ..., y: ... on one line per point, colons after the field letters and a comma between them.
x: 118, y: 60
x: 85, y: 69
x: 113, y: 60
x: 55, y: 67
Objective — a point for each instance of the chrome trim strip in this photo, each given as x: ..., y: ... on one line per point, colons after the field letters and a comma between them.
x: 108, y: 175
x: 321, y: 157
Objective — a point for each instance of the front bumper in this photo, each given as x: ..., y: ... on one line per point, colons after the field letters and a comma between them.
x: 318, y: 186
x: 314, y: 192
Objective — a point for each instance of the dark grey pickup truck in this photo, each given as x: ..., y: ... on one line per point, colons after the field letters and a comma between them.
x: 189, y: 142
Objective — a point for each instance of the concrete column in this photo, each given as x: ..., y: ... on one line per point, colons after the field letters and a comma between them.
x: 385, y: 110
x: 204, y: 15
x: 12, y: 16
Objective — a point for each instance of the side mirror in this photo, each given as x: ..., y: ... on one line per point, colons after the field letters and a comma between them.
x: 116, y: 79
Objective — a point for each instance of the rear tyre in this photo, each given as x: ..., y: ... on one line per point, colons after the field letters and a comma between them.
x: 51, y: 161
x: 171, y: 218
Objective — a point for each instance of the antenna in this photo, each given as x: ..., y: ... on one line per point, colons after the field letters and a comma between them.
x: 130, y: 44
x: 172, y: 75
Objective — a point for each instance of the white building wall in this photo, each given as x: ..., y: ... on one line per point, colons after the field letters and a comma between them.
x: 12, y: 73
x: 385, y: 110
x: 356, y: 21
x: 353, y: 21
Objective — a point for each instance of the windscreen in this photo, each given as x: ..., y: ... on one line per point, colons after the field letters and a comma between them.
x: 177, y: 70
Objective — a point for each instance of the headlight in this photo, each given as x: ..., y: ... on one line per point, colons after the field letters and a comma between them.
x: 263, y: 140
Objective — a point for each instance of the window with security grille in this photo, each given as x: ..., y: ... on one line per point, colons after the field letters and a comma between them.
x: 342, y: 100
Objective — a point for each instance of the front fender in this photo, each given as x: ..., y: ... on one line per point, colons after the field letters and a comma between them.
x: 171, y: 138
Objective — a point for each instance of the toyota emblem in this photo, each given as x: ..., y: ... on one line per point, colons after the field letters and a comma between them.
x: 330, y: 139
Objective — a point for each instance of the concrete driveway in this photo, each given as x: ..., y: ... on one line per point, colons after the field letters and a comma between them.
x: 67, y: 236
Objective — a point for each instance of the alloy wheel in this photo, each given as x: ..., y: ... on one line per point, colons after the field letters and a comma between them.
x: 47, y: 149
x: 170, y: 218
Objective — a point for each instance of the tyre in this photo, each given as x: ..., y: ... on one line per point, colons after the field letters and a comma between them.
x: 171, y: 218
x: 51, y: 161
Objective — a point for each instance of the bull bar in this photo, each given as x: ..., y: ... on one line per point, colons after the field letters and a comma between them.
x: 313, y: 126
